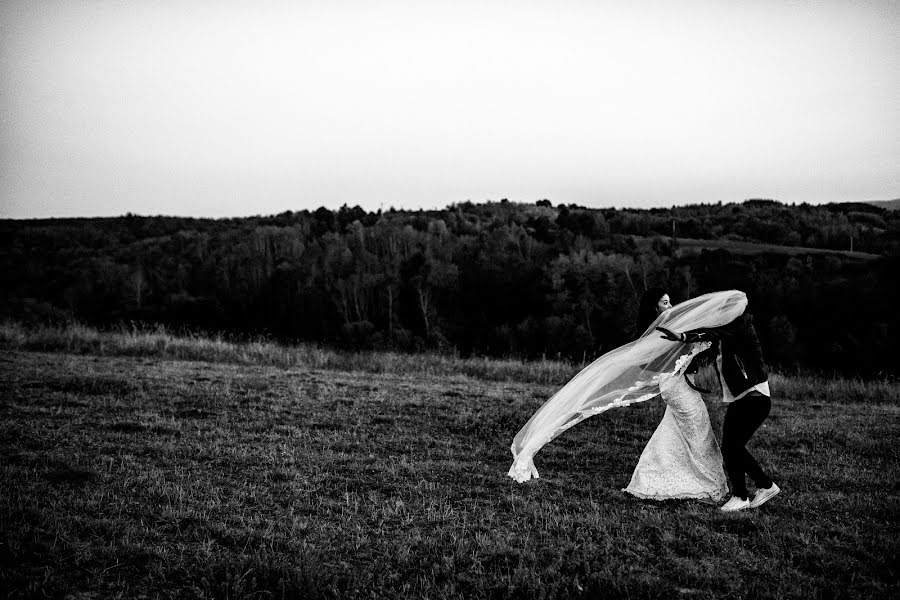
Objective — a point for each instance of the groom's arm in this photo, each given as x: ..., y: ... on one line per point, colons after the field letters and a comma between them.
x: 708, y: 334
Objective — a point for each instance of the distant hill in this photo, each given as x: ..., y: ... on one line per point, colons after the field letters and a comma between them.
x: 886, y: 204
x: 496, y: 279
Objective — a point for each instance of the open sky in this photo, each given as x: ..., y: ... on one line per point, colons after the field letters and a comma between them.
x: 223, y: 108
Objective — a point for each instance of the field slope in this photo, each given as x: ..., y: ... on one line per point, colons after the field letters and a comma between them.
x: 128, y: 476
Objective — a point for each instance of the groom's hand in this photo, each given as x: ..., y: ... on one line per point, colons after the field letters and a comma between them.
x: 669, y: 335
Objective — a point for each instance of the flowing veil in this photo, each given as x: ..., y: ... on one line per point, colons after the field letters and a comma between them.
x: 631, y: 373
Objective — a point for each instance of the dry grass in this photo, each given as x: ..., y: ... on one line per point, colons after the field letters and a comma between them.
x: 158, y: 342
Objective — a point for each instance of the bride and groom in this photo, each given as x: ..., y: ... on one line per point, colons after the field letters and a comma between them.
x: 682, y: 460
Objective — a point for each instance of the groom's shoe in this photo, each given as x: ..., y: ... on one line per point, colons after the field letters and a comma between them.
x: 735, y: 503
x: 763, y: 495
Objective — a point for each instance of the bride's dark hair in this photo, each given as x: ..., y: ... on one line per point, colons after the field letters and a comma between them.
x: 647, y: 309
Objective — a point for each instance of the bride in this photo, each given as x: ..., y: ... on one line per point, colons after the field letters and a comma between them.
x: 682, y: 459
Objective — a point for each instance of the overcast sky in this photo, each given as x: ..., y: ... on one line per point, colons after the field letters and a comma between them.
x: 218, y: 108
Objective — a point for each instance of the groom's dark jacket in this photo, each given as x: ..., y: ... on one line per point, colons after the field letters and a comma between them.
x: 742, y: 359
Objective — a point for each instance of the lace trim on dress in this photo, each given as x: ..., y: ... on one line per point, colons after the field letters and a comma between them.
x: 661, y: 497
x: 657, y: 380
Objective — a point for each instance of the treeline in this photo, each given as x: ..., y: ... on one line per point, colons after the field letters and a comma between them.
x: 496, y: 278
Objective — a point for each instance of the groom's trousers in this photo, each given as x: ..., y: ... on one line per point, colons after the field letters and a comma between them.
x: 742, y: 418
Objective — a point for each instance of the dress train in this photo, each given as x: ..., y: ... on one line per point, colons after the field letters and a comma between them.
x: 682, y: 459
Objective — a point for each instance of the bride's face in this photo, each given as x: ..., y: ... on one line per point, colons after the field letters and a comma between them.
x: 663, y: 304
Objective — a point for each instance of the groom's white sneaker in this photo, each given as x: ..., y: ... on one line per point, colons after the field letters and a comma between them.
x: 764, y: 494
x: 735, y: 503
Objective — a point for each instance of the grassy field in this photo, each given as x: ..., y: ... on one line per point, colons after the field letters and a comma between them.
x: 151, y: 475
x: 694, y: 246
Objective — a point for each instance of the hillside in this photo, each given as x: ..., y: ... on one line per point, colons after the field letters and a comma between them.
x: 497, y: 279
x: 886, y: 204
x: 693, y: 246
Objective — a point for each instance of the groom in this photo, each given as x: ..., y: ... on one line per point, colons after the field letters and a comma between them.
x: 746, y: 390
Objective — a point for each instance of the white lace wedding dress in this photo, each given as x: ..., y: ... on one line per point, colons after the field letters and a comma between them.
x: 682, y: 458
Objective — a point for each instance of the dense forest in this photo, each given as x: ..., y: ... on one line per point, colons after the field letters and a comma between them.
x: 498, y: 278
